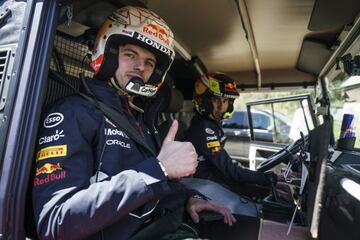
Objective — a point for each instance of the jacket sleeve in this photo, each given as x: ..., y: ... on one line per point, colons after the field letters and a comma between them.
x: 66, y: 205
x: 233, y: 172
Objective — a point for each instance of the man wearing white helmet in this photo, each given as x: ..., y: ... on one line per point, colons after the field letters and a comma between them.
x: 93, y: 179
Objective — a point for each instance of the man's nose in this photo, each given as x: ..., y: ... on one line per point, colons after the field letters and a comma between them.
x: 219, y: 105
x: 140, y: 65
x: 222, y: 105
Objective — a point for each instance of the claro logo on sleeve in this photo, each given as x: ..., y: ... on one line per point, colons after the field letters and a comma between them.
x: 53, y: 119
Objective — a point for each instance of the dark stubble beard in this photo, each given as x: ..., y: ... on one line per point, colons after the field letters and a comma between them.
x: 218, y: 116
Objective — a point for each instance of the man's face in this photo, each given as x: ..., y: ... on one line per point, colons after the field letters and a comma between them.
x: 220, y: 105
x: 134, y: 61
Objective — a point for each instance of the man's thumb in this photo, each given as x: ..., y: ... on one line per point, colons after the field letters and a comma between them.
x: 172, y: 132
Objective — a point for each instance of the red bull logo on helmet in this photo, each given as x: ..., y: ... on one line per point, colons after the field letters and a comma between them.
x: 158, y: 32
x: 48, y: 168
x: 231, y: 87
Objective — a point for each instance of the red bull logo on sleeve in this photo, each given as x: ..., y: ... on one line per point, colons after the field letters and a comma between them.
x: 53, y: 151
x: 51, y: 175
x: 48, y: 168
x: 38, y: 181
x: 158, y: 32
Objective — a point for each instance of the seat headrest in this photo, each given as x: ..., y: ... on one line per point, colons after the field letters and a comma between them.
x: 171, y: 99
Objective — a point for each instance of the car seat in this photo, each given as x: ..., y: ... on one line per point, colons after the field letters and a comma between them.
x: 172, y: 103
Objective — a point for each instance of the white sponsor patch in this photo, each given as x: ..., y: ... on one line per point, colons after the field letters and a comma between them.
x: 147, y: 89
x: 53, y: 138
x: 115, y: 132
x: 209, y: 131
x: 210, y: 138
x: 117, y: 142
x: 53, y: 119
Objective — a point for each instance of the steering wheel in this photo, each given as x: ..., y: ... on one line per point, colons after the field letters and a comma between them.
x: 281, y: 156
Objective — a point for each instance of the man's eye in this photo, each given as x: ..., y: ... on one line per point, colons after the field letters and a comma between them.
x: 129, y: 55
x: 150, y: 64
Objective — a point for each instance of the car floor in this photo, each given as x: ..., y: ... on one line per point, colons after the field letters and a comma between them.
x: 244, y: 228
x: 270, y: 230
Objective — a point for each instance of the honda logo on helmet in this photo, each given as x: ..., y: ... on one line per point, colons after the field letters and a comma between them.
x: 154, y: 44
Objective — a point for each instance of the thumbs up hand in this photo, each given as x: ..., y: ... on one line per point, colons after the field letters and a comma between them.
x: 178, y: 158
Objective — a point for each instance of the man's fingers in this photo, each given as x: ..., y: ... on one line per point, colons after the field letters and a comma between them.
x: 233, y: 218
x: 172, y: 132
x: 229, y: 219
x: 195, y: 217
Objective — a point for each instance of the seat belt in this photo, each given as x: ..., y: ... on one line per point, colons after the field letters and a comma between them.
x: 119, y: 120
x: 111, y: 113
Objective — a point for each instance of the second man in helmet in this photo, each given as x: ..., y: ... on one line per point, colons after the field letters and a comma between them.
x: 214, y: 96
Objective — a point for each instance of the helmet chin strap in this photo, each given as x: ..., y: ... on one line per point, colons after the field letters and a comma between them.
x: 136, y: 85
x: 114, y: 83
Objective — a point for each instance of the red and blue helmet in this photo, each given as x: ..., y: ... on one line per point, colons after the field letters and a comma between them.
x: 215, y: 84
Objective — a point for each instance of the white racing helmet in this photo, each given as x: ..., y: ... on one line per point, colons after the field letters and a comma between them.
x: 139, y: 26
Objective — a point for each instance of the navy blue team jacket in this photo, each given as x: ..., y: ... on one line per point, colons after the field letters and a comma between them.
x: 215, y: 163
x: 92, y: 180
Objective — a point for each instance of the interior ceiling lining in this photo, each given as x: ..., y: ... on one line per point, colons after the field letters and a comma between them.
x: 210, y: 29
x: 278, y: 26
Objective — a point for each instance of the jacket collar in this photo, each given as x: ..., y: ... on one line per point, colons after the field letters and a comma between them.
x: 106, y: 93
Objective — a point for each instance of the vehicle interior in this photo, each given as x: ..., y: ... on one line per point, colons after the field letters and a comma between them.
x: 263, y: 45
